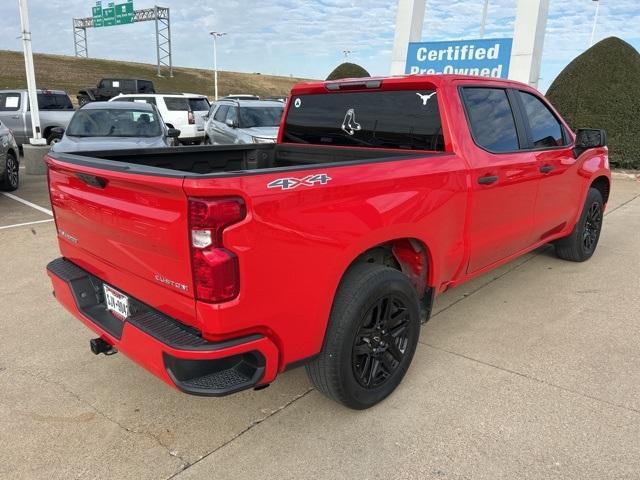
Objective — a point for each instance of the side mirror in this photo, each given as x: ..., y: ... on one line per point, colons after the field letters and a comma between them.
x: 58, y: 131
x: 231, y: 123
x: 590, y: 138
x: 173, y: 133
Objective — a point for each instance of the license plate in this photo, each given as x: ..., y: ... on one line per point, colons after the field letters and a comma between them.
x: 116, y: 302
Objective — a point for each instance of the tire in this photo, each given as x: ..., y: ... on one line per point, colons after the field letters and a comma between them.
x: 582, y: 243
x: 83, y: 100
x: 365, y: 354
x: 11, y: 177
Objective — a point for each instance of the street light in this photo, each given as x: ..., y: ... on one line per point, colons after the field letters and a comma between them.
x: 595, y: 22
x: 215, y: 36
x: 347, y: 53
x: 484, y: 18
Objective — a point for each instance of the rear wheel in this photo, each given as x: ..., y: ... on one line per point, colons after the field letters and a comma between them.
x: 11, y: 178
x: 580, y: 245
x: 371, y: 337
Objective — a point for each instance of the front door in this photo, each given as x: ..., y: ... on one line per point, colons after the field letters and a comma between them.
x: 504, y: 178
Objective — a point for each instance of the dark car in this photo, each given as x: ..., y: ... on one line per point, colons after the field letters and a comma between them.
x: 9, y: 163
x: 108, y: 88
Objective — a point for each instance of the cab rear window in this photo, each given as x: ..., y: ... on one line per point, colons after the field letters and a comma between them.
x: 406, y: 119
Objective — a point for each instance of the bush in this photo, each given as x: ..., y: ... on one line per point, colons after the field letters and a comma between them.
x: 601, y: 89
x: 348, y: 70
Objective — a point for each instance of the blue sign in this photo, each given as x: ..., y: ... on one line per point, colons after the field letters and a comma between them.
x: 485, y: 58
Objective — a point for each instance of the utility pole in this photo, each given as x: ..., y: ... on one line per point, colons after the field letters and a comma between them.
x: 36, y: 139
x: 485, y: 8
x: 595, y: 23
x: 215, y: 35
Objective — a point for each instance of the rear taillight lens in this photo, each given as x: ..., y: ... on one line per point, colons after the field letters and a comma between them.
x: 216, y: 275
x: 192, y: 119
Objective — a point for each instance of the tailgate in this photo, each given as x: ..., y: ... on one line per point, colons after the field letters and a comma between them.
x: 130, y: 222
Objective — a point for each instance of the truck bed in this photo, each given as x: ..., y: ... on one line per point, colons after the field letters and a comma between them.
x: 226, y: 159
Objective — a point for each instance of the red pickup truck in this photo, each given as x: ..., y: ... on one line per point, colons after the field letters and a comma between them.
x: 216, y: 268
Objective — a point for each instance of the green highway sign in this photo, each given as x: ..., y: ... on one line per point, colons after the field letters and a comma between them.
x: 112, y: 14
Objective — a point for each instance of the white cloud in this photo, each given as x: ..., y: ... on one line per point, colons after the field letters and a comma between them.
x: 307, y: 37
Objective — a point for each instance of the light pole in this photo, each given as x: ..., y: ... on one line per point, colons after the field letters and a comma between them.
x: 31, y: 77
x: 215, y: 36
x: 484, y: 18
x: 595, y: 22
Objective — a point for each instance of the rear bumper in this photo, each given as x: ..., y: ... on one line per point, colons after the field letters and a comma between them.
x: 172, y: 351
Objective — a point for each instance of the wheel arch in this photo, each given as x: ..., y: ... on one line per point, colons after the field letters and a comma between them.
x: 409, y: 255
x: 603, y: 185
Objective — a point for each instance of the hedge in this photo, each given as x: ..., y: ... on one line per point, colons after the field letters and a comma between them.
x: 348, y: 70
x: 601, y: 89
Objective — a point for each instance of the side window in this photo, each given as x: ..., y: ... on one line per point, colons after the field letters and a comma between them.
x: 221, y: 113
x: 546, y: 130
x: 491, y: 119
x: 9, y: 102
x: 232, y: 115
x: 176, y: 104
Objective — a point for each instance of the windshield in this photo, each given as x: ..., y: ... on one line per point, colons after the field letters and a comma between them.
x: 405, y: 119
x: 199, y: 104
x: 114, y: 123
x: 260, y: 116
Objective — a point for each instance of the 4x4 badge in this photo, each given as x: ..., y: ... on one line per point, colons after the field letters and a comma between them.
x: 308, y: 181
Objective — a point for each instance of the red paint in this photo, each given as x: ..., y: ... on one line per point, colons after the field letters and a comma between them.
x: 293, y: 246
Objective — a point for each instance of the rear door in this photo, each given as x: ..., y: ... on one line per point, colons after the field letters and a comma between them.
x: 176, y: 111
x: 551, y: 144
x: 216, y: 132
x: 199, y: 107
x: 504, y: 178
x: 133, y: 224
x: 12, y: 114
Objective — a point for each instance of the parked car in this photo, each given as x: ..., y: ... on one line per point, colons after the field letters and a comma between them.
x: 216, y: 268
x: 243, y: 121
x: 55, y: 108
x: 182, y: 111
x: 115, y: 126
x: 108, y: 88
x: 9, y: 160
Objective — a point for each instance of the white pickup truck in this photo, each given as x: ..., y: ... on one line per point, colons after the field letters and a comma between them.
x: 55, y: 108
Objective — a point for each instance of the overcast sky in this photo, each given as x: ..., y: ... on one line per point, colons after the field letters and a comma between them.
x: 306, y: 37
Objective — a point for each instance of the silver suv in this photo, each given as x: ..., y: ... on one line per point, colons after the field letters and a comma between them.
x: 242, y: 121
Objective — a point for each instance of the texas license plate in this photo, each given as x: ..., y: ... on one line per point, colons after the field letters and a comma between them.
x: 116, y: 302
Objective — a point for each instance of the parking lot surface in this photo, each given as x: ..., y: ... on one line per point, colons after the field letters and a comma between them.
x: 530, y: 371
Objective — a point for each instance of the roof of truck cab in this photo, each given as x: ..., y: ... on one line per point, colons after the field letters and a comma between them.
x: 402, y: 82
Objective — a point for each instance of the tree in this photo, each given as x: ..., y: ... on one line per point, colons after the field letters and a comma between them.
x: 348, y: 70
x: 601, y: 89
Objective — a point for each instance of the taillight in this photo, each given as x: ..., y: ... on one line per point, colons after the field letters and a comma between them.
x: 216, y: 275
x: 192, y: 119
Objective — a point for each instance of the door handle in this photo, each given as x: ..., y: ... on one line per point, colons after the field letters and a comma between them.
x: 15, y: 117
x: 546, y: 168
x: 487, y: 179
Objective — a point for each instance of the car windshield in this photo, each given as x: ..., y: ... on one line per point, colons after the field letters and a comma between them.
x: 260, y: 116
x: 199, y: 104
x: 109, y: 122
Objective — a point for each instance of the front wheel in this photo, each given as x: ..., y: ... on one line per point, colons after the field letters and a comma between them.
x: 371, y: 337
x: 582, y: 243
